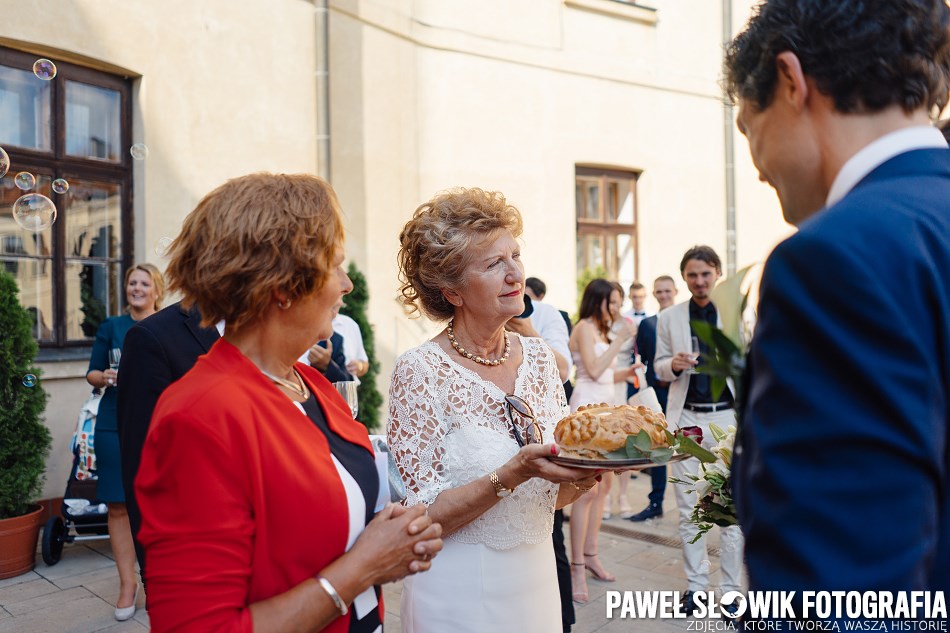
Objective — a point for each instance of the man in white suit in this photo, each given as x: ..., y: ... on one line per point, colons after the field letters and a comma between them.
x: 691, y: 403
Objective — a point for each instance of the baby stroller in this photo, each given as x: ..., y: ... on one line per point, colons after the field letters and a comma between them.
x: 84, y: 517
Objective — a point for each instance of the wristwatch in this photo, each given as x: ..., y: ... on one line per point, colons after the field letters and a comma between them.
x: 500, y: 489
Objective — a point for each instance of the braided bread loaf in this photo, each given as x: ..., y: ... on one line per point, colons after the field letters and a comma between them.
x: 595, y: 430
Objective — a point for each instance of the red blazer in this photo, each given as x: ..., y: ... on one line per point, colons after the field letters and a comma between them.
x: 239, y: 496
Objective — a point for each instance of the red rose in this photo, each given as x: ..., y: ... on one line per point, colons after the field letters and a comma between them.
x: 694, y: 432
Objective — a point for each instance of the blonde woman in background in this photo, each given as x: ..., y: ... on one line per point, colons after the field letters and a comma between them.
x: 144, y: 290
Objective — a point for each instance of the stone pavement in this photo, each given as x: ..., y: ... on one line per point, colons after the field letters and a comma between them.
x: 77, y: 595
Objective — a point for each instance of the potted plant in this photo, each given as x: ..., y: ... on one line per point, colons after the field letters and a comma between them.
x: 24, y: 439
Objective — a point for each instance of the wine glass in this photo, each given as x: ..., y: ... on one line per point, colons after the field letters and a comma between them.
x: 694, y: 354
x: 115, y: 355
x: 347, y: 389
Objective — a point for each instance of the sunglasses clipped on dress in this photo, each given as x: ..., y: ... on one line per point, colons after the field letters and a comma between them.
x: 530, y: 431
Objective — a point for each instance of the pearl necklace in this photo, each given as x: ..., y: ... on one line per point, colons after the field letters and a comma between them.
x: 450, y: 333
x: 300, y: 388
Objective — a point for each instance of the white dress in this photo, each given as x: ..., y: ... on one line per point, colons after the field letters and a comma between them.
x: 586, y: 389
x: 623, y: 361
x: 448, y: 427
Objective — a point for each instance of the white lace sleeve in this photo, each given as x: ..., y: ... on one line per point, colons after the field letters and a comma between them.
x: 448, y: 427
x: 415, y: 432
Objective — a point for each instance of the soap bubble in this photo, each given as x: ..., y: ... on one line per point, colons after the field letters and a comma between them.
x: 34, y: 212
x: 139, y: 151
x: 25, y: 180
x: 29, y: 380
x: 161, y: 246
x: 44, y: 69
x: 60, y: 185
x: 4, y: 162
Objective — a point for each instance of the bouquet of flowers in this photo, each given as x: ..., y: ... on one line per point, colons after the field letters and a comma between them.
x: 714, y: 504
x: 724, y: 362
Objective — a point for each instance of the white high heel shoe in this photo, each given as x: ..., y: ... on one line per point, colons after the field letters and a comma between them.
x: 126, y: 613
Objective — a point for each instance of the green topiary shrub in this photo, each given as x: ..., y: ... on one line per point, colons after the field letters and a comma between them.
x: 355, y: 303
x: 24, y: 439
x: 585, y: 277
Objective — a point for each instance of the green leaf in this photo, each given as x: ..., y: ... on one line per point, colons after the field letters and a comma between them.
x: 632, y: 450
x: 642, y: 441
x: 704, y: 331
x: 725, y: 346
x: 618, y: 454
x: 689, y: 446
x: 661, y: 455
x: 717, y: 384
x: 729, y: 300
x: 703, y: 528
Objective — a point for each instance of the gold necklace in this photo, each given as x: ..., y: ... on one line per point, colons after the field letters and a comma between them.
x: 300, y: 388
x: 450, y: 333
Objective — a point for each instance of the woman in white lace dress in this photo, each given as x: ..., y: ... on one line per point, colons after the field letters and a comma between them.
x: 460, y: 427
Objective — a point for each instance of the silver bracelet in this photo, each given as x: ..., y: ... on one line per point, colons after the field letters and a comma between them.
x: 337, y: 600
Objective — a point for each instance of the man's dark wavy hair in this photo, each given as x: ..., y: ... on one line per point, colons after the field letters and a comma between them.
x: 865, y: 54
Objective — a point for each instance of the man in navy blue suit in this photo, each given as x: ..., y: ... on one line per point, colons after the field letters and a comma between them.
x: 664, y: 291
x: 842, y: 469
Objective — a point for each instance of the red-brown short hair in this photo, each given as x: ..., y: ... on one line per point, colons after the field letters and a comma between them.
x: 251, y: 236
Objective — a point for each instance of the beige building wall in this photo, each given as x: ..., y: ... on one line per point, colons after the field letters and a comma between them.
x: 424, y: 95
x: 222, y: 88
x: 432, y: 94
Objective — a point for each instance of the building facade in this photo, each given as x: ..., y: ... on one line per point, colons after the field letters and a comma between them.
x: 601, y: 120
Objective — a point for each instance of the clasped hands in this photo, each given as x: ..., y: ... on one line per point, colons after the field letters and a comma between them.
x: 399, y: 541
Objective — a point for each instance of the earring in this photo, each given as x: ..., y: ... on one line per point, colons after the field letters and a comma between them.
x: 284, y: 305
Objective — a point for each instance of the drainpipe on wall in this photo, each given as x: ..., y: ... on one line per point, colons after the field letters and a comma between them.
x: 728, y: 120
x: 322, y: 45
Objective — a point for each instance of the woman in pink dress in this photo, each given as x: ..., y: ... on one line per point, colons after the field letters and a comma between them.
x: 594, y: 355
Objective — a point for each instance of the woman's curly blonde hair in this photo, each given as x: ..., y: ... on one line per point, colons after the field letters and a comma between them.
x: 441, y: 239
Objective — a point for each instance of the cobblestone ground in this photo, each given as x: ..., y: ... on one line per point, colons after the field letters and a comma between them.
x: 77, y: 595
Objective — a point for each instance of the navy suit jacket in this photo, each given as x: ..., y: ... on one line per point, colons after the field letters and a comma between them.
x: 336, y: 368
x: 842, y: 474
x: 646, y: 347
x: 157, y: 351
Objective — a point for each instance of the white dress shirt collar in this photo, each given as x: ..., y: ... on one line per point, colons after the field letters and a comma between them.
x: 879, y: 152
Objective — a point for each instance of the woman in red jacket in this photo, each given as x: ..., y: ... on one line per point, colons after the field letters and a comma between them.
x: 257, y: 488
